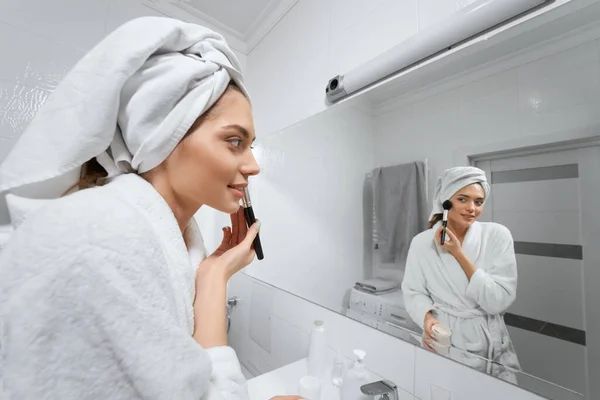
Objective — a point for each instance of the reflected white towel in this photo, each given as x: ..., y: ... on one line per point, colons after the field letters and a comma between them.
x: 454, y: 179
x: 377, y: 285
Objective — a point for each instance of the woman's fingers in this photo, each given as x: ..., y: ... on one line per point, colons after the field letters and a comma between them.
x: 427, y: 344
x: 225, y: 243
x: 251, y: 234
x: 226, y: 235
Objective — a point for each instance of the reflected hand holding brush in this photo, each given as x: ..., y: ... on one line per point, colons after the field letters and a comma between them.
x: 447, y: 205
x: 451, y: 243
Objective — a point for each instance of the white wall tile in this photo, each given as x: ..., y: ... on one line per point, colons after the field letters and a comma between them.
x: 561, y: 91
x: 76, y: 23
x: 41, y: 68
x: 346, y: 13
x: 288, y: 72
x: 489, y: 109
x: 289, y: 344
x: 432, y: 12
x: 261, y: 306
x: 18, y: 106
x: 462, y: 381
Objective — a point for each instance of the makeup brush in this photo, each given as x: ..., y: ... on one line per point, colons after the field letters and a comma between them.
x: 251, y: 219
x: 446, y: 205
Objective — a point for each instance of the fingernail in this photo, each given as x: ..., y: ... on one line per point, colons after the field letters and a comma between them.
x: 258, y: 225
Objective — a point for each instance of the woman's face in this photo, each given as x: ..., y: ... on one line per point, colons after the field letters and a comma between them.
x: 215, y: 156
x: 467, y: 205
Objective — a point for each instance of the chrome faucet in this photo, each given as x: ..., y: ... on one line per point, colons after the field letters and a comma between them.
x: 381, y: 390
x: 231, y: 303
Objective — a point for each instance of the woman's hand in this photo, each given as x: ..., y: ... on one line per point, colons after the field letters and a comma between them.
x: 451, y: 244
x: 236, y: 250
x: 234, y: 253
x: 428, y: 336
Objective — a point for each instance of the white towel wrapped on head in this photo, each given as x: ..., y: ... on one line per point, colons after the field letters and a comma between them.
x: 154, y: 76
x: 454, y: 179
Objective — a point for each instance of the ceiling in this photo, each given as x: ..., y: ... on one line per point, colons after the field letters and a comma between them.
x: 237, y: 15
x: 243, y: 22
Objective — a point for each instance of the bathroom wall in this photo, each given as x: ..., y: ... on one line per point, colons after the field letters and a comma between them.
x: 40, y: 41
x: 270, y: 328
x: 319, y: 39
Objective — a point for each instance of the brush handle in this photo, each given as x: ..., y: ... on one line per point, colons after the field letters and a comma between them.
x: 444, y: 224
x: 251, y: 219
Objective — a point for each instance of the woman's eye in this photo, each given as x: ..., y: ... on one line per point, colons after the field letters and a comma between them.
x: 235, y: 142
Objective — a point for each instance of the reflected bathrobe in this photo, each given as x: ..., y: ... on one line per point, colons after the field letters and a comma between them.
x: 96, y: 302
x: 435, y: 281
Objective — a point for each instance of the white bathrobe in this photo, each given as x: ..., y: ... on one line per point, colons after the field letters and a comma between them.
x: 96, y: 297
x: 435, y: 281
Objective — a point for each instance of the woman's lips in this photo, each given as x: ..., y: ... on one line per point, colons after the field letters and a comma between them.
x: 236, y: 192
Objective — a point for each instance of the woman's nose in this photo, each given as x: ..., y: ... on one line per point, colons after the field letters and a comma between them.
x: 251, y: 166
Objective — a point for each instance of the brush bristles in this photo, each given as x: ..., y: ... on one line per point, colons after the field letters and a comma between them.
x: 447, y: 205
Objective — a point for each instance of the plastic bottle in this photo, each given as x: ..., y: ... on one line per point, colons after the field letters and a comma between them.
x: 355, y: 378
x: 337, y: 372
x: 317, y: 351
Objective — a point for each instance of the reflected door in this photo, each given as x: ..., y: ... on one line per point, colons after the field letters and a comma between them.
x: 541, y: 198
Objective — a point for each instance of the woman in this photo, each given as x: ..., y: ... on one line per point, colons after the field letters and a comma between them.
x: 107, y: 293
x: 468, y: 282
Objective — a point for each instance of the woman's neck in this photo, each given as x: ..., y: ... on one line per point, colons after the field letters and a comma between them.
x: 182, y: 210
x: 459, y: 230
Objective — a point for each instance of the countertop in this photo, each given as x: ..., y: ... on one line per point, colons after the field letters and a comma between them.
x: 284, y: 381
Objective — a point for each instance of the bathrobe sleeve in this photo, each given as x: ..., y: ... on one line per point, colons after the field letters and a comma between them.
x: 414, y: 286
x: 494, y: 286
x: 90, y: 315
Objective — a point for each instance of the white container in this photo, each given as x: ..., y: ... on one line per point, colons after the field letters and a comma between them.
x: 338, y: 370
x: 442, y: 333
x: 355, y: 378
x: 317, y: 351
x: 310, y: 388
x: 441, y: 349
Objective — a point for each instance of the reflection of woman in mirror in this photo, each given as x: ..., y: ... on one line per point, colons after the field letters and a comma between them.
x: 468, y: 282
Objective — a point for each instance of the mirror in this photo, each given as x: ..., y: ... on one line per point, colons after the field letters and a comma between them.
x: 343, y: 193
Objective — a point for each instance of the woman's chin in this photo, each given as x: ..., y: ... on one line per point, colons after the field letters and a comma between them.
x: 227, y: 207
x: 232, y: 208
